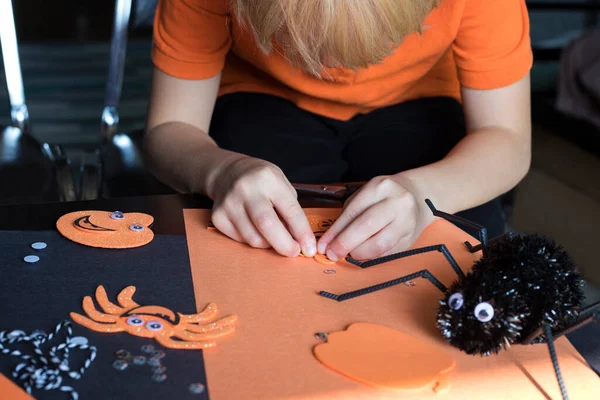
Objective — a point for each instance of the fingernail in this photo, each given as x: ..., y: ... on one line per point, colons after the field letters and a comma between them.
x: 331, y: 255
x: 310, y: 250
x: 322, y: 247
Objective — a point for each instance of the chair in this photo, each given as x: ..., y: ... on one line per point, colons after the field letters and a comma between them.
x: 123, y: 170
x: 30, y: 172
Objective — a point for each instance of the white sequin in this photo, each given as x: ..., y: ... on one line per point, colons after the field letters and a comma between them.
x: 31, y: 259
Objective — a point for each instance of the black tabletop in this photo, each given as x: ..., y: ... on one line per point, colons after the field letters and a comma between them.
x: 168, y: 213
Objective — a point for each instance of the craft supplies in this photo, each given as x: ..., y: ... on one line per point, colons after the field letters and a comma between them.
x: 31, y: 259
x: 39, y: 245
x: 157, y: 368
x: 196, y: 388
x: 195, y: 331
x: 113, y: 230
x: 384, y: 357
x: 46, y: 370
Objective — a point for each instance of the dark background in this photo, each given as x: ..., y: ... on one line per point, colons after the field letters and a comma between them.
x: 42, y: 20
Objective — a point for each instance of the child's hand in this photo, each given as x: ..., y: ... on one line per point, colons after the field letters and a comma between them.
x: 383, y: 217
x: 248, y: 195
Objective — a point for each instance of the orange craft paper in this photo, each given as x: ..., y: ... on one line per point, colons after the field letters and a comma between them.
x: 10, y: 390
x: 98, y: 229
x: 384, y: 357
x: 279, y: 309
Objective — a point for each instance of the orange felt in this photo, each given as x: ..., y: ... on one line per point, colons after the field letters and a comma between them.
x: 189, y: 332
x: 10, y: 390
x: 320, y: 223
x: 119, y: 236
x: 271, y: 355
x: 383, y: 357
x: 322, y: 259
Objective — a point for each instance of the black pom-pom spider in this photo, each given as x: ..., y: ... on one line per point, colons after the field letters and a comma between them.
x: 524, y: 289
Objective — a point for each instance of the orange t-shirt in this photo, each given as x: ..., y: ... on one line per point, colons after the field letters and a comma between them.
x: 480, y: 44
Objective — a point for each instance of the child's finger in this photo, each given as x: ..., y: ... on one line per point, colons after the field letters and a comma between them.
x: 368, y: 224
x: 246, y: 229
x: 265, y: 220
x: 292, y: 213
x: 226, y: 227
x: 353, y: 209
x: 380, y: 244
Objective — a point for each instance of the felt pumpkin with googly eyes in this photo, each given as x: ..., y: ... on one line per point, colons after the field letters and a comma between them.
x: 106, y: 229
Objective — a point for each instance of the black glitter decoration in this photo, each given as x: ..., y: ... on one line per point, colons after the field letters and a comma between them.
x: 523, y: 290
x: 529, y: 281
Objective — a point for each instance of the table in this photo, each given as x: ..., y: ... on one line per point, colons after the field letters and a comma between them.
x: 31, y: 221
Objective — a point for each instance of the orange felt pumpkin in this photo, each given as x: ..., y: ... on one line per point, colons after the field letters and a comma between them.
x: 384, y: 357
x: 111, y: 230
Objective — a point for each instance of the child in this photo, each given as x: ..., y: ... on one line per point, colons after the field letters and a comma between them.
x: 422, y: 99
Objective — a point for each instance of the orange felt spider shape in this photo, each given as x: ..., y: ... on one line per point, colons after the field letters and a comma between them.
x: 194, y: 331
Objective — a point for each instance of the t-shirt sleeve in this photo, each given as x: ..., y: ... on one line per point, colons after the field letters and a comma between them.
x: 492, y: 48
x: 191, y: 37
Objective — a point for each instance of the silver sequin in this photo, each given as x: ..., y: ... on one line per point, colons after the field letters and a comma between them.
x: 148, y: 348
x: 196, y: 388
x: 31, y: 259
x: 159, y: 377
x: 39, y: 246
x: 120, y: 365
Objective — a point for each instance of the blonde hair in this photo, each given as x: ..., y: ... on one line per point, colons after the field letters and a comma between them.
x: 354, y: 33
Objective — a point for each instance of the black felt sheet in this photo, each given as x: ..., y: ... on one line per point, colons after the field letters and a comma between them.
x: 40, y: 295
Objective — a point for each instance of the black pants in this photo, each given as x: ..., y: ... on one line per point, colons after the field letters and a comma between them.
x: 310, y: 148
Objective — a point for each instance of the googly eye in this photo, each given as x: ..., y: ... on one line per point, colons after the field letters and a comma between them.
x: 118, y: 215
x: 484, y: 312
x: 136, y: 227
x: 134, y: 320
x: 456, y: 301
x: 154, y: 326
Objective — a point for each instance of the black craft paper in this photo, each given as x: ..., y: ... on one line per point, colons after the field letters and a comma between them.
x: 40, y: 295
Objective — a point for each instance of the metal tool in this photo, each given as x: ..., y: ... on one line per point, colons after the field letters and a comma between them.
x: 336, y: 191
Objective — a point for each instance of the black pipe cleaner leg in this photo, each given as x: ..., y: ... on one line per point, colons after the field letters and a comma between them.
x: 473, y: 249
x: 561, y: 384
x: 438, y: 247
x: 421, y: 274
x: 587, y: 315
x: 456, y: 220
